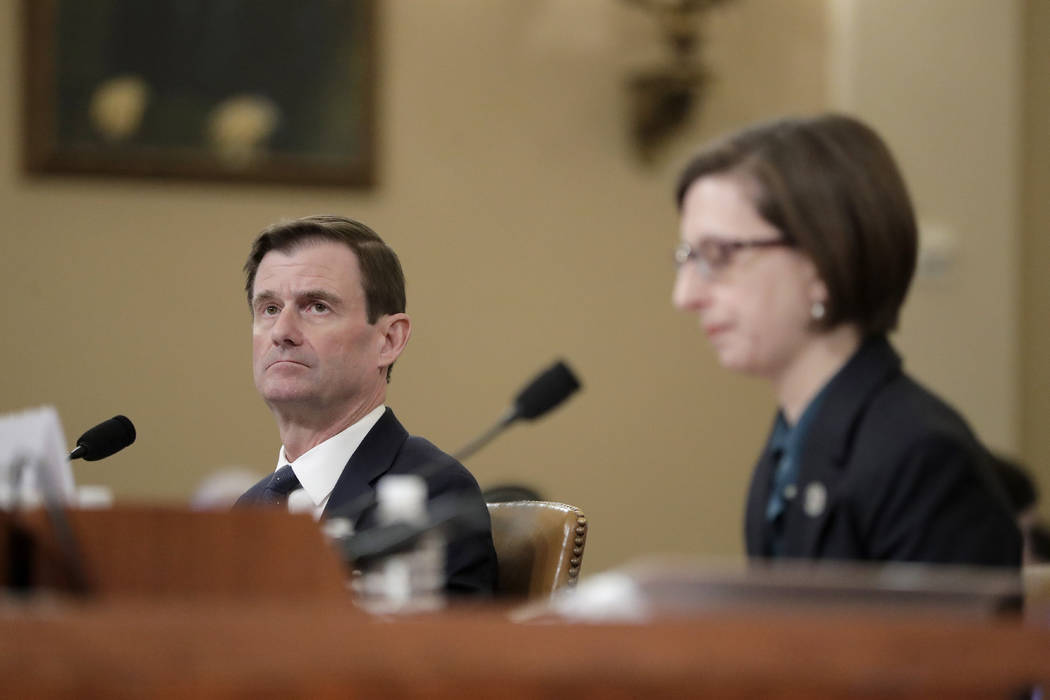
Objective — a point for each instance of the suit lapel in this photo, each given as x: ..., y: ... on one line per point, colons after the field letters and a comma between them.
x: 809, y: 516
x: 253, y: 496
x: 373, y: 458
x: 829, y: 443
x: 756, y: 527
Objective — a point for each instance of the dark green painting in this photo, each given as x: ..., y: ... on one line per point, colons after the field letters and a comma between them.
x: 259, y: 90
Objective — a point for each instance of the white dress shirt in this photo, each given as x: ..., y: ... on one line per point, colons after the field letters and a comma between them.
x: 319, y: 467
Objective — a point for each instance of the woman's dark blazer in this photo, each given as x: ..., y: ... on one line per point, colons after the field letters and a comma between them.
x: 889, y: 472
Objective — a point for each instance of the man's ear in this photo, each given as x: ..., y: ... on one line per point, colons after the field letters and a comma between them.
x: 394, y: 331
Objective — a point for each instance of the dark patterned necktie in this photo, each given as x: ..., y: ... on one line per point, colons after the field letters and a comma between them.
x: 282, y: 483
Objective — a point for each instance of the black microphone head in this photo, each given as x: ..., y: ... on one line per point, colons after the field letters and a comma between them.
x: 105, y: 439
x: 545, y: 391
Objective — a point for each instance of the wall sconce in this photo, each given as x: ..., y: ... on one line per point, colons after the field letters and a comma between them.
x: 662, y: 97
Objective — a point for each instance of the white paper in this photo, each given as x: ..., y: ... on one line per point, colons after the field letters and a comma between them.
x: 34, y: 464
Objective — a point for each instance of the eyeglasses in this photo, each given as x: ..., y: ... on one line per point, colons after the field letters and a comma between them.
x: 714, y: 254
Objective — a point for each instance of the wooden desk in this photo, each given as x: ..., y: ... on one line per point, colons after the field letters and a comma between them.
x: 178, y: 649
x: 253, y: 604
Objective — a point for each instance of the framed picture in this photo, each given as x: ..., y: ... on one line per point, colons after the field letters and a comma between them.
x: 276, y: 91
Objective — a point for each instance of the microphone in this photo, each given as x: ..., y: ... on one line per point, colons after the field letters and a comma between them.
x: 104, y: 439
x: 101, y: 441
x: 452, y: 513
x: 546, y: 391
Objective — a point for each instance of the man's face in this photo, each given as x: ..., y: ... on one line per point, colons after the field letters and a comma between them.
x: 313, y: 349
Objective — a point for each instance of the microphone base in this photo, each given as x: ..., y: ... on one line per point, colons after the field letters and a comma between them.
x: 21, y: 556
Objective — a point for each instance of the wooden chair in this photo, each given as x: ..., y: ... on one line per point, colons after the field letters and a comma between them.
x: 539, y: 546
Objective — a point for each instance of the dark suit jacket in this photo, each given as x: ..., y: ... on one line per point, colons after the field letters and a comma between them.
x: 389, y: 449
x: 890, y: 472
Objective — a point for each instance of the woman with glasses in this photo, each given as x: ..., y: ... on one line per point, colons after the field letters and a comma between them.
x: 798, y: 246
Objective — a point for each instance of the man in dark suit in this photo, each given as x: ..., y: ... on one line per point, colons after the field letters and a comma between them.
x: 328, y: 322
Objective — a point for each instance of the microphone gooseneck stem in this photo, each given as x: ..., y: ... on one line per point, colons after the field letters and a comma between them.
x: 357, y: 507
x: 24, y: 548
x: 485, y: 438
x: 67, y: 543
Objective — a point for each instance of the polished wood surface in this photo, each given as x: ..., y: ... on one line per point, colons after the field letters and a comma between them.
x: 167, y: 552
x: 254, y: 604
x: 183, y: 649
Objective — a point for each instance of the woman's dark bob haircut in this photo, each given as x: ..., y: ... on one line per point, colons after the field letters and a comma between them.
x: 831, y: 187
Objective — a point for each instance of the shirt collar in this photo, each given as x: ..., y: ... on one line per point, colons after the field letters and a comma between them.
x: 788, y: 438
x: 319, y: 467
x: 778, y: 441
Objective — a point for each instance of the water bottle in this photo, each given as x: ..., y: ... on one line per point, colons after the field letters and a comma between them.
x: 412, y: 580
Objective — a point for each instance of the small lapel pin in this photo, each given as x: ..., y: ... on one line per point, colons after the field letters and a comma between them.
x: 816, y: 499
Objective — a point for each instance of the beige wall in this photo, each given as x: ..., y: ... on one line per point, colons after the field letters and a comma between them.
x: 940, y: 80
x: 1035, y: 247
x: 961, y: 89
x: 528, y: 231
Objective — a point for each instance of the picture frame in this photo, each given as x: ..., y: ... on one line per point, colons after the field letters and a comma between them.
x: 281, y: 91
